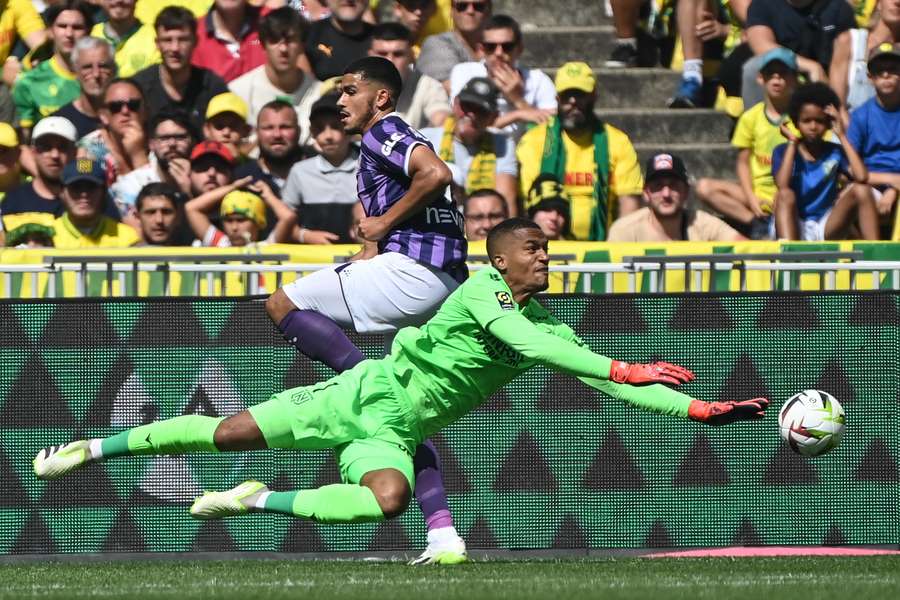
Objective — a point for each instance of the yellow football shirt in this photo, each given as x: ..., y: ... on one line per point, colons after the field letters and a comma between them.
x: 146, y: 11
x: 758, y: 133
x: 625, y: 177
x: 18, y: 19
x: 108, y: 233
x: 135, y: 52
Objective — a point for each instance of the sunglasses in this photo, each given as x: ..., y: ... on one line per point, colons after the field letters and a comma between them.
x: 464, y: 6
x: 116, y: 106
x: 491, y: 47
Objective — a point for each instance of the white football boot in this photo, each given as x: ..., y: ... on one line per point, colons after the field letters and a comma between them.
x: 448, y: 550
x: 236, y: 501
x: 56, y: 461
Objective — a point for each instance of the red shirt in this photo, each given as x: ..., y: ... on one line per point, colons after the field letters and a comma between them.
x: 225, y: 59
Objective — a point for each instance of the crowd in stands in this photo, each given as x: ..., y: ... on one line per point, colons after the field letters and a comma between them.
x: 218, y: 122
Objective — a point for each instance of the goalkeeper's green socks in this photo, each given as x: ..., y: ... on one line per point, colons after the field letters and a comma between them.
x: 337, y: 503
x: 188, y: 433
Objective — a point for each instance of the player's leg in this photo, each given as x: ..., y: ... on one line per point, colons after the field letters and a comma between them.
x: 445, y: 546
x: 855, y: 203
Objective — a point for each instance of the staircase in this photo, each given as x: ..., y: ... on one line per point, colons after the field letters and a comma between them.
x: 558, y: 31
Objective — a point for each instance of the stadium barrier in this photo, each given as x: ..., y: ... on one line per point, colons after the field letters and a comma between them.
x: 577, y: 267
x: 545, y: 463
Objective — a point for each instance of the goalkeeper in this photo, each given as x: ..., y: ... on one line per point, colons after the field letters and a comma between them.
x: 486, y: 333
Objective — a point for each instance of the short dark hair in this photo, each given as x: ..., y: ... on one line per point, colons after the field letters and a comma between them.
x: 484, y: 193
x: 128, y: 81
x: 179, y: 117
x: 281, y: 23
x: 391, y: 32
x: 817, y: 93
x: 504, y: 22
x: 176, y: 17
x: 381, y: 70
x: 504, y: 229
x: 52, y: 13
x: 166, y: 190
x: 276, y: 105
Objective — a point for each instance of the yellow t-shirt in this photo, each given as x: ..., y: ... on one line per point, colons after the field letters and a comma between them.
x: 134, y: 53
x: 146, y: 11
x: 18, y: 19
x: 625, y: 177
x: 108, y: 233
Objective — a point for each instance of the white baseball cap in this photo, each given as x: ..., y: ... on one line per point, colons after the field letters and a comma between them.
x: 60, y: 126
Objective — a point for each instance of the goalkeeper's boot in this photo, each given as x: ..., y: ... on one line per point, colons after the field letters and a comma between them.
x: 237, y: 501
x: 451, y: 551
x: 56, y: 461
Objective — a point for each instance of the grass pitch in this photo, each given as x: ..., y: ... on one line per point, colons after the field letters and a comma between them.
x: 817, y: 578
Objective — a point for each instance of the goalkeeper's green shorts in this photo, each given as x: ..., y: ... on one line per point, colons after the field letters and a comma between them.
x: 361, y: 413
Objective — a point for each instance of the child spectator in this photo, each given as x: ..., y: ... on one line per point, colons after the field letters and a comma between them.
x: 810, y: 204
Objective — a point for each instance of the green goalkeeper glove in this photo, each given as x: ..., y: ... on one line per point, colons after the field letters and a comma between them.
x: 723, y: 413
x: 658, y: 372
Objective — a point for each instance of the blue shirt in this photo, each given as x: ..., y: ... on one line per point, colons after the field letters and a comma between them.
x: 875, y: 133
x: 815, y: 183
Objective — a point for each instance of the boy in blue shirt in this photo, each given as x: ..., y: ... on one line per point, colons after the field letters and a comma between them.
x: 875, y: 128
x: 811, y: 203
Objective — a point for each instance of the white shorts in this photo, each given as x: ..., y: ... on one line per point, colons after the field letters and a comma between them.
x: 811, y: 230
x: 377, y: 295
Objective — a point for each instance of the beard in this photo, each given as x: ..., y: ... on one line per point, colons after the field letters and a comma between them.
x: 278, y: 160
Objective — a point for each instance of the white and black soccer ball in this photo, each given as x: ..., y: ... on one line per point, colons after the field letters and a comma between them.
x: 812, y: 422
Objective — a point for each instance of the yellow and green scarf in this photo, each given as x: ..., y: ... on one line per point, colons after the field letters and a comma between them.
x: 483, y: 170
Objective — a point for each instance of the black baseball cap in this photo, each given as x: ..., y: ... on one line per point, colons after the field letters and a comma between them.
x: 481, y: 92
x: 665, y: 164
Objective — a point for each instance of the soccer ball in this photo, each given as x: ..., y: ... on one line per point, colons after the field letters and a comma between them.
x: 812, y: 422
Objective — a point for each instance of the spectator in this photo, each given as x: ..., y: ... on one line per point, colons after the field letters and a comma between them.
x: 171, y: 140
x: 696, y: 24
x: 226, y: 122
x: 442, y: 51
x: 414, y: 14
x: 228, y: 39
x: 594, y: 161
x: 19, y: 19
x: 120, y: 144
x: 423, y: 101
x: 549, y: 206
x: 750, y: 201
x: 526, y: 94
x: 83, y: 224
x: 176, y: 84
x: 810, y: 205
x: 337, y: 41
x: 312, y: 10
x: 95, y: 69
x: 45, y: 89
x: 808, y: 27
x: 282, y: 33
x: 212, y: 166
x: 10, y: 169
x: 485, y: 159
x: 875, y: 127
x: 134, y: 42
x: 38, y: 201
x: 159, y: 207
x: 243, y: 215
x: 322, y: 189
x: 277, y: 133
x: 626, y: 15
x: 29, y: 236
x: 667, y: 216
x: 483, y: 210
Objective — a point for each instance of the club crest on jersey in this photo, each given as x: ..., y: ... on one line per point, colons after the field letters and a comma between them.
x: 505, y: 300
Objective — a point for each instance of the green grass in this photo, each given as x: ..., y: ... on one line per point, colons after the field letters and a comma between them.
x: 811, y: 578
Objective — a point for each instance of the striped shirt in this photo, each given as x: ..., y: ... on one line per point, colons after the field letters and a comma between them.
x: 433, y: 236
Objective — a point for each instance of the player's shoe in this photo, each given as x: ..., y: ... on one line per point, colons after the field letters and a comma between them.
x: 56, y: 461
x: 445, y: 552
x: 236, y: 501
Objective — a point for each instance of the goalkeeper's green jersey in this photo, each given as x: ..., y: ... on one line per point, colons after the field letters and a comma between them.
x: 480, y: 339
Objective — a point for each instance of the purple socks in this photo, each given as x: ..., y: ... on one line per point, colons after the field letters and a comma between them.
x: 430, y: 493
x: 320, y: 338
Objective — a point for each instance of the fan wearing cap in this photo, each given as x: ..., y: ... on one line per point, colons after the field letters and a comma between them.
x: 549, y: 206
x: 226, y: 122
x: 595, y: 162
x: 486, y: 160
x: 242, y: 208
x: 38, y: 201
x: 667, y: 218
x: 83, y: 224
x: 212, y: 166
x: 875, y: 129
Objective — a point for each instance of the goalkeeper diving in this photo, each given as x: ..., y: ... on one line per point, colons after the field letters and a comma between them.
x: 487, y: 332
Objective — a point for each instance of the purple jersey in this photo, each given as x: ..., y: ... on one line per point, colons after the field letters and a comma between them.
x: 433, y: 236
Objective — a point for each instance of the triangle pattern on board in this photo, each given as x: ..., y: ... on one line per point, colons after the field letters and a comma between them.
x: 746, y: 535
x: 877, y: 464
x: 834, y: 537
x: 390, y: 535
x: 612, y: 313
x: 87, y: 486
x: 875, y: 309
x: 700, y: 466
x: 695, y: 313
x: 302, y: 536
x: 788, y: 312
x: 454, y: 476
x: 169, y: 324
x: 789, y: 468
x: 658, y: 536
x: 744, y: 382
x: 569, y: 534
x: 300, y: 374
x: 34, y: 537
x: 117, y: 379
x: 613, y: 468
x: 79, y: 325
x: 498, y: 402
x: 248, y: 325
x: 566, y: 393
x: 481, y: 535
x: 124, y: 535
x: 525, y: 469
x: 835, y: 381
x: 213, y: 536
x: 11, y: 333
x: 328, y: 472
x: 12, y: 494
x: 34, y: 400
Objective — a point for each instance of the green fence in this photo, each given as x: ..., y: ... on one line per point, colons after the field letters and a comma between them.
x: 545, y: 463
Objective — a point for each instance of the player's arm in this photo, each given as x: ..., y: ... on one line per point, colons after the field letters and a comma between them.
x: 430, y: 177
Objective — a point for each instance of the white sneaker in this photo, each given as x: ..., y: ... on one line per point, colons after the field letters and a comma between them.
x: 216, y: 505
x: 56, y: 461
x: 445, y: 552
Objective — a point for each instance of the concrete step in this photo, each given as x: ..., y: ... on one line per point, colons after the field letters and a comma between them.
x: 536, y: 13
x: 667, y: 126
x: 552, y: 46
x: 701, y: 160
x: 630, y: 88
